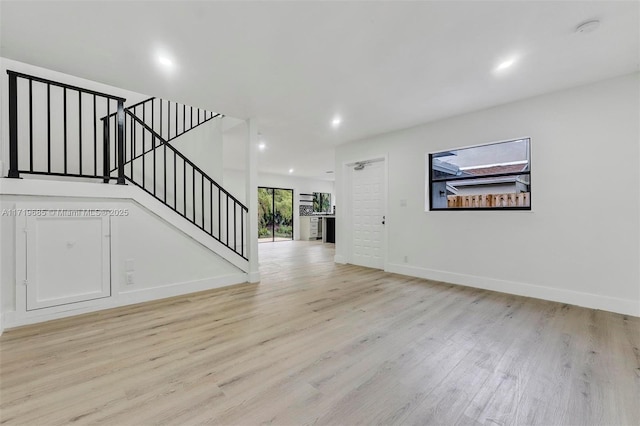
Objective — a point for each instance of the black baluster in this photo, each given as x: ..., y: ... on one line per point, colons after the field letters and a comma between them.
x: 125, y: 138
x: 30, y: 125
x: 155, y: 177
x: 193, y: 192
x: 184, y: 188
x: 106, y: 150
x: 64, y: 108
x: 106, y: 142
x: 80, y: 131
x: 48, y: 128
x: 95, y: 138
x: 13, y: 126
x: 120, y: 142
x: 132, y: 143
x: 211, y: 208
x: 144, y: 109
x: 202, y: 193
x: 115, y: 138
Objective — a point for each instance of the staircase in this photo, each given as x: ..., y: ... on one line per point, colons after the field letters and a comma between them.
x: 93, y: 136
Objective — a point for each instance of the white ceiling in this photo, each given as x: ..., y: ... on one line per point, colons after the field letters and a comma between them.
x: 294, y: 65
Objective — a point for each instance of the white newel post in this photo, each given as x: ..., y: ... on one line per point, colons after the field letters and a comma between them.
x: 252, y: 198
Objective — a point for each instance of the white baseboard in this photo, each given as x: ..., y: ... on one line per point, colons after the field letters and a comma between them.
x: 178, y: 289
x: 253, y: 277
x: 17, y: 318
x: 587, y: 300
x: 339, y: 259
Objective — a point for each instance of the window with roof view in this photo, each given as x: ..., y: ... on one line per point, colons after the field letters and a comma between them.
x: 485, y: 177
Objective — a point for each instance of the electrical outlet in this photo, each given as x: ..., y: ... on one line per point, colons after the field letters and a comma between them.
x: 406, y: 259
x: 129, y: 278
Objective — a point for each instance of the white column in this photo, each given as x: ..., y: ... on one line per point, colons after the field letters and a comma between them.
x: 251, y: 174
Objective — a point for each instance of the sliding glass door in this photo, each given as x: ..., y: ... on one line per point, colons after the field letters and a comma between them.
x: 275, y: 214
x: 283, y: 214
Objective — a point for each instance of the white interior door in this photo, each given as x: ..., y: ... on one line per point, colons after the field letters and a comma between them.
x: 67, y: 260
x: 367, y: 215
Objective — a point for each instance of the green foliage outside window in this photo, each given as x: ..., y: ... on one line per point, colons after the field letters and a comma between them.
x: 278, y: 220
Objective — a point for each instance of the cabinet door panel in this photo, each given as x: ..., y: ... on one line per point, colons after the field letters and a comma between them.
x: 67, y: 260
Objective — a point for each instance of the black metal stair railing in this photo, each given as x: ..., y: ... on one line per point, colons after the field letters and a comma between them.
x: 170, y: 177
x: 153, y: 164
x: 54, y: 130
x: 168, y: 119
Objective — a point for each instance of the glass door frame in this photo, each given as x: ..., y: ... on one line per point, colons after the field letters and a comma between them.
x: 273, y: 211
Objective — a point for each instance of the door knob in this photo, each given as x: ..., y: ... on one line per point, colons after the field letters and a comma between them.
x: 384, y: 219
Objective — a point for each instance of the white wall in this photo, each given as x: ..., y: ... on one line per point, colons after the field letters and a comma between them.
x: 234, y: 182
x: 165, y: 261
x: 40, y: 131
x: 162, y: 255
x: 203, y: 146
x: 580, y: 242
x: 181, y: 262
x: 7, y: 234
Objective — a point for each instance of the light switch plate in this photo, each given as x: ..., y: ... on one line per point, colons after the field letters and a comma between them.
x: 129, y: 265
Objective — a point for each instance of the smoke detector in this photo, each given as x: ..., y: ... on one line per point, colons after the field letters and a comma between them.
x: 588, y: 27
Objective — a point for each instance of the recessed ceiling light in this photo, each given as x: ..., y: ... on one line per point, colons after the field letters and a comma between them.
x: 588, y: 27
x: 165, y: 61
x: 290, y: 171
x: 508, y: 63
x: 336, y: 121
x: 262, y: 146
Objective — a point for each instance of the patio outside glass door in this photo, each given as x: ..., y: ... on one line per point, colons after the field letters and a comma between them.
x: 275, y: 214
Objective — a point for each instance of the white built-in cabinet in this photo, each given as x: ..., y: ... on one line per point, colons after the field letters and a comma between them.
x: 66, y: 257
x: 309, y: 227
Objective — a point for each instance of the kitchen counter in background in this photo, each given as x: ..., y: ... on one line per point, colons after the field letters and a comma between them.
x: 318, y: 227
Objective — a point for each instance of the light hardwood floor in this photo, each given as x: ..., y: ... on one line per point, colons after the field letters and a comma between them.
x: 320, y: 343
